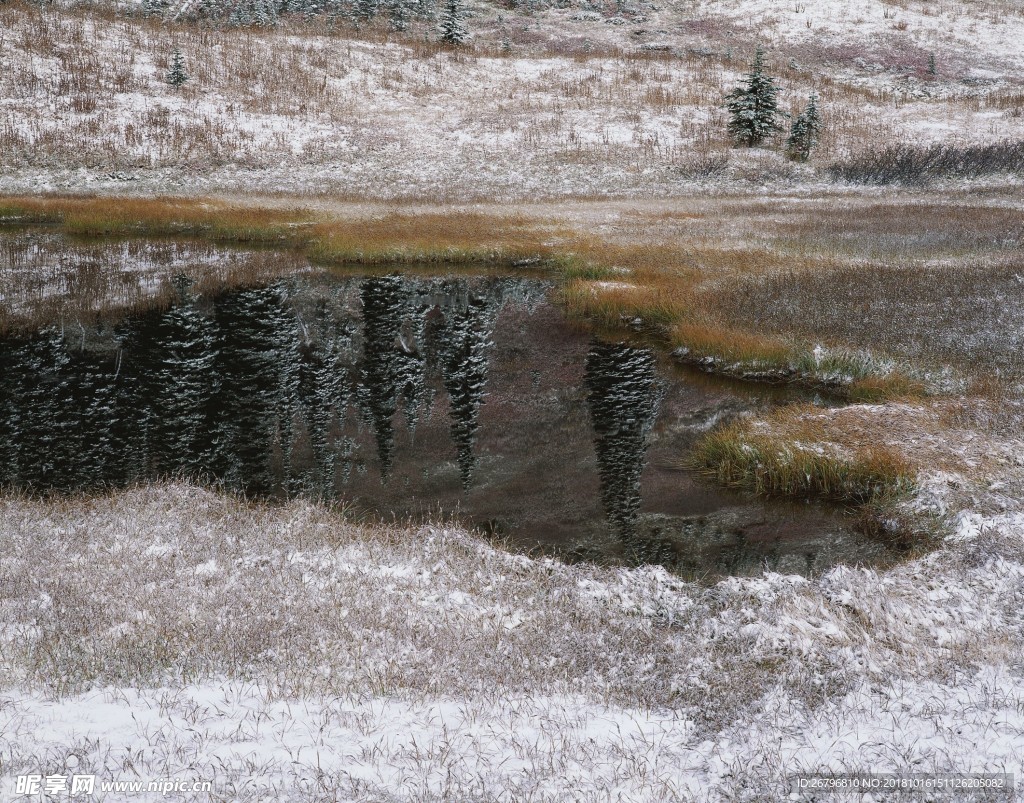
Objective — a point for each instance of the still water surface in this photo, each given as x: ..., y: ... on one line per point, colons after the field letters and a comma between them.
x: 468, y: 398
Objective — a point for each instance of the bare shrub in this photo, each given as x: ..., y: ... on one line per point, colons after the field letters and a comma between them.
x: 912, y: 165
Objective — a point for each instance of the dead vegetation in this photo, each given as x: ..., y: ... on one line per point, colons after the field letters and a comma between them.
x: 884, y: 298
x: 368, y: 113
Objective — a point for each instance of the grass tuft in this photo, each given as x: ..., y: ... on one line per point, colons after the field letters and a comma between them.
x: 733, y: 345
x: 741, y: 455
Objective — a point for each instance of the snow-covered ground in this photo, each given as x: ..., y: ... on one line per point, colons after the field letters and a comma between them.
x: 573, y: 108
x: 283, y: 653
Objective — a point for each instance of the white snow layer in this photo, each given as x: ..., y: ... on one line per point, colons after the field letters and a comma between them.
x: 326, y: 661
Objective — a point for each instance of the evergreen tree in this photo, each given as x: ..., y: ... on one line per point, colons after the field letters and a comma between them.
x: 364, y: 10
x: 398, y: 14
x: 176, y: 75
x: 753, y: 106
x: 453, y: 30
x: 264, y: 13
x: 803, y: 135
x: 241, y: 14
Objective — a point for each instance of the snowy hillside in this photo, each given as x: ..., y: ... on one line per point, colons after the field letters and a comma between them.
x: 544, y: 102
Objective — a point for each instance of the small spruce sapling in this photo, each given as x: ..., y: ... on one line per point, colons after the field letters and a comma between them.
x: 177, y: 75
x: 753, y: 106
x: 803, y: 135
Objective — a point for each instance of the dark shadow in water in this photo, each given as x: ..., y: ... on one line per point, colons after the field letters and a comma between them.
x: 408, y: 398
x: 623, y: 393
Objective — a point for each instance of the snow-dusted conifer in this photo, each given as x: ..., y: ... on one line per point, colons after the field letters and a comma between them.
x: 453, y: 29
x: 399, y: 14
x: 364, y: 10
x: 264, y: 13
x: 803, y: 135
x: 753, y: 106
x: 177, y: 75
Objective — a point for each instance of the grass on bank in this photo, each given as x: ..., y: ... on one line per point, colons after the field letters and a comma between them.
x: 748, y: 455
x: 660, y: 288
x: 456, y: 237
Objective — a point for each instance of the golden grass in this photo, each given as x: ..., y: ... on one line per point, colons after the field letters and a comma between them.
x: 104, y: 216
x: 736, y: 283
x: 733, y: 345
x: 891, y: 386
x: 773, y: 462
x: 456, y: 238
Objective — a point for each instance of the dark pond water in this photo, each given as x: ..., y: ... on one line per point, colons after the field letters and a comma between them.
x: 405, y: 397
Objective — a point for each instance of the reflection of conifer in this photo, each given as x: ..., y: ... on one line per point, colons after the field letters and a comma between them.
x: 464, y: 369
x: 257, y: 372
x: 137, y: 389
x: 383, y: 376
x: 284, y: 328
x: 100, y: 446
x: 322, y: 398
x: 623, y: 394
x: 184, y: 384
x: 38, y: 412
x: 9, y: 408
x: 217, y: 387
x: 412, y: 365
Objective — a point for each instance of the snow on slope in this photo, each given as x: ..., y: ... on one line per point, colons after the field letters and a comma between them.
x: 84, y: 104
x: 284, y: 654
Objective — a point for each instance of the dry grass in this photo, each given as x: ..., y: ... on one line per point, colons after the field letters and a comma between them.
x: 98, y: 216
x: 786, y: 457
x: 458, y: 237
x: 960, y: 315
x: 452, y: 238
x: 871, y: 298
x: 574, y: 108
x: 285, y: 653
x: 705, y: 341
x: 964, y: 450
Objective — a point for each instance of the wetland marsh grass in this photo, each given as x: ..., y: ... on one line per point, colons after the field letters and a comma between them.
x: 758, y: 307
x: 772, y: 463
x: 393, y: 237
